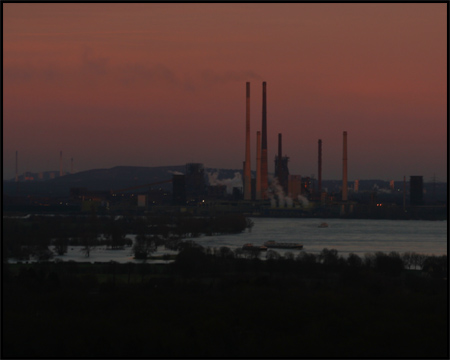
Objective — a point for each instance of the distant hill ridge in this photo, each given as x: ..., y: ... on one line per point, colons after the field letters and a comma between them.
x: 120, y: 177
x: 117, y: 177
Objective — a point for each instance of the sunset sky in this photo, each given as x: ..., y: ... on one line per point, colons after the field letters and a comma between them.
x: 164, y: 84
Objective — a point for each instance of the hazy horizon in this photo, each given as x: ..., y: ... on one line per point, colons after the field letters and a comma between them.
x: 208, y: 173
x: 152, y: 84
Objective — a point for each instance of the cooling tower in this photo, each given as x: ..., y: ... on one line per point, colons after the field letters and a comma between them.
x: 247, y: 168
x: 264, y: 166
x: 344, y: 169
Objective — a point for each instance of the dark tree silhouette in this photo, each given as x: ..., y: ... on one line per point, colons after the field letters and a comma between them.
x: 60, y: 245
x: 89, y: 236
x: 144, y: 246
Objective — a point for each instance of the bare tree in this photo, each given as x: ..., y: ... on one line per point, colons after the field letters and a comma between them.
x: 88, y: 242
x: 289, y: 255
x: 272, y: 255
x: 249, y: 224
x: 354, y: 260
x: 417, y: 260
x: 329, y: 256
x: 144, y: 246
x: 406, y: 258
x: 60, y: 245
x: 89, y: 237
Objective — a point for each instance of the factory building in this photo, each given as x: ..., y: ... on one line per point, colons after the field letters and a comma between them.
x: 216, y: 191
x: 179, y: 190
x: 195, y: 182
x: 416, y: 190
x: 294, y: 186
x: 281, y: 167
x: 282, y: 172
x: 306, y: 186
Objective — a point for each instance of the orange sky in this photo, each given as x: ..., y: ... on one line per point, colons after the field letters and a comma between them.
x: 164, y: 84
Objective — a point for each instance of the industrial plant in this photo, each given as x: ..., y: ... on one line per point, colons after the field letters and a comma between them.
x: 201, y: 191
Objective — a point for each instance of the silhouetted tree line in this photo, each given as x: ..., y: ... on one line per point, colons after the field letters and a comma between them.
x: 193, y: 259
x: 223, y: 303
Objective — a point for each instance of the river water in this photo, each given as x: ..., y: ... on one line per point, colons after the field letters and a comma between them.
x: 345, y: 235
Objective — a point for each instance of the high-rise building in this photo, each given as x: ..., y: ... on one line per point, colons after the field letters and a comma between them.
x: 416, y: 190
x: 195, y: 181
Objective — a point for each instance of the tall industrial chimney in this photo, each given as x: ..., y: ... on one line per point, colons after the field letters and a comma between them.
x: 264, y: 167
x: 258, y: 165
x: 17, y: 166
x: 404, y: 193
x: 320, y: 168
x: 280, y: 154
x: 344, y: 169
x: 60, y: 164
x: 247, y: 168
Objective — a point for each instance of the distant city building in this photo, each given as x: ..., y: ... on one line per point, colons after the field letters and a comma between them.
x: 142, y: 200
x: 356, y: 186
x: 28, y: 176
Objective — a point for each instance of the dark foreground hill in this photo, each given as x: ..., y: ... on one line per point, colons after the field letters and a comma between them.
x: 208, y: 306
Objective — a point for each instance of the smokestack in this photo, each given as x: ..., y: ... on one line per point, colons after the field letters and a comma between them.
x: 344, y: 169
x: 320, y: 167
x: 71, y: 165
x: 60, y: 164
x: 258, y: 165
x: 404, y: 193
x: 264, y: 168
x: 278, y: 169
x: 17, y: 166
x: 247, y: 169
